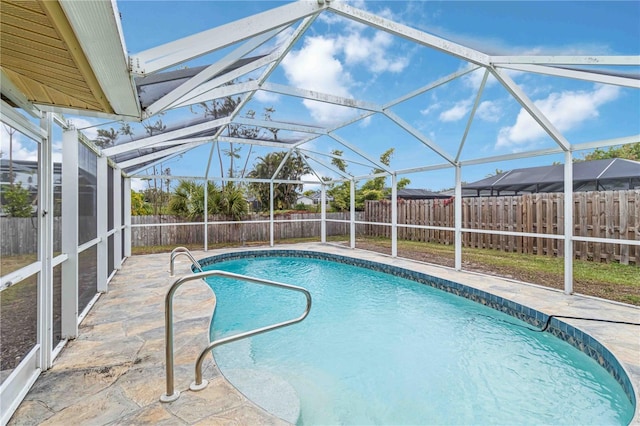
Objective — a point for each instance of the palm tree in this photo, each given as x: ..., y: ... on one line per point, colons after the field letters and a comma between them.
x: 284, y: 194
x: 188, y: 199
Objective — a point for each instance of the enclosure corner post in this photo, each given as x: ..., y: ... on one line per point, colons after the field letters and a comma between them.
x: 323, y: 213
x: 568, y: 222
x: 352, y: 210
x: 271, y: 227
x: 394, y: 215
x: 458, y: 218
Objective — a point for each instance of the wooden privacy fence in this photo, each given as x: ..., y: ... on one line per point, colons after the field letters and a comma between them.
x: 604, y: 214
x: 173, y: 231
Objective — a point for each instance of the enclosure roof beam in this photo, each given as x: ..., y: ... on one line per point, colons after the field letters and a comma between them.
x: 338, y: 157
x: 472, y: 114
x: 256, y: 142
x: 565, y: 60
x: 218, y: 92
x: 174, y: 134
x: 187, y: 48
x: 433, y: 85
x: 209, y: 72
x: 280, y: 125
x: 320, y: 97
x: 361, y: 153
x: 424, y: 168
x: 159, y: 154
x: 531, y: 108
x: 422, y: 138
x: 281, y: 165
x: 329, y: 167
x: 577, y: 74
x: 201, y: 93
x: 412, y: 34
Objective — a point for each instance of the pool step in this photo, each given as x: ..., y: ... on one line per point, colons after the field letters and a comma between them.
x: 267, y: 390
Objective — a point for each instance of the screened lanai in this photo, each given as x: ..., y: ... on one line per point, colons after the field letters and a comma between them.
x: 99, y: 98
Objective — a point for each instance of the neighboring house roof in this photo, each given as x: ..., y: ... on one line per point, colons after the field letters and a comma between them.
x: 597, y: 175
x: 419, y: 194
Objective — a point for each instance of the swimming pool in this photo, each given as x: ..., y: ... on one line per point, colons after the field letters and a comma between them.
x: 382, y: 349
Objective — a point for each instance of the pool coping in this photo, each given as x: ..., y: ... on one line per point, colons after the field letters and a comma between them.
x: 584, y: 336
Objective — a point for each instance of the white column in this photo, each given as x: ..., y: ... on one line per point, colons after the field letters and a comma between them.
x: 568, y: 222
x: 102, y: 203
x: 394, y: 215
x: 69, y: 302
x: 206, y: 214
x: 323, y: 213
x: 271, y: 225
x: 352, y: 210
x: 127, y: 217
x: 458, y: 218
x: 117, y: 218
x: 45, y: 244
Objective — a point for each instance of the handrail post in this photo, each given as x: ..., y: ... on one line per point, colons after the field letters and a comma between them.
x: 185, y: 251
x: 171, y: 394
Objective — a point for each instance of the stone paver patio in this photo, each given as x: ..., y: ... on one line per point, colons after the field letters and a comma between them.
x: 113, y: 373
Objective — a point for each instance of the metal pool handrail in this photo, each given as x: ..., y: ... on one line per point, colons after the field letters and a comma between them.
x: 182, y: 250
x: 172, y: 394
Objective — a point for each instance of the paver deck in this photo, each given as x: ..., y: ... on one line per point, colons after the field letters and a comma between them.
x: 113, y: 373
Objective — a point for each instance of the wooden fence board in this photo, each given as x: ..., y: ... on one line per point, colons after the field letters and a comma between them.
x: 609, y: 214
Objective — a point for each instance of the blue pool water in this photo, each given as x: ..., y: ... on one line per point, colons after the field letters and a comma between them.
x: 378, y: 349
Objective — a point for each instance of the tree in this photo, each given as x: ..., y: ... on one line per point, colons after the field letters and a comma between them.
x: 628, y: 152
x: 17, y: 201
x: 232, y: 201
x: 106, y: 138
x: 139, y: 207
x: 284, y: 194
x: 373, y: 189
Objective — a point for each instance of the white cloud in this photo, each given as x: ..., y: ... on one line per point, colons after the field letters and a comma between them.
x: 89, y: 128
x: 430, y: 108
x: 266, y: 97
x: 315, y: 67
x: 458, y: 111
x: 372, y: 52
x: 565, y: 110
x: 22, y: 148
x: 489, y: 111
x: 138, y: 184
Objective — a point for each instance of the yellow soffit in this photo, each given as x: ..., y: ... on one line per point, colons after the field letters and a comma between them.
x: 42, y: 56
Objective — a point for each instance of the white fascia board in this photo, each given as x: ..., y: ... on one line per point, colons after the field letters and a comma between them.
x: 209, y: 72
x: 320, y: 97
x: 280, y: 125
x: 16, y: 96
x: 422, y: 138
x: 187, y: 48
x: 360, y: 153
x: 273, y: 144
x: 87, y: 113
x: 433, y: 85
x: 175, y: 134
x: 159, y: 154
x: 96, y: 25
x: 10, y: 116
x: 607, y: 143
x: 216, y: 92
x: 566, y: 60
x: 531, y: 108
x: 576, y: 74
x: 412, y: 34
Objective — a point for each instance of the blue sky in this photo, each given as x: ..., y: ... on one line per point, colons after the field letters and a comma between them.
x: 348, y: 59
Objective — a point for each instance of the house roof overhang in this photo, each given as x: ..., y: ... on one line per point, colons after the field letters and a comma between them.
x: 63, y: 55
